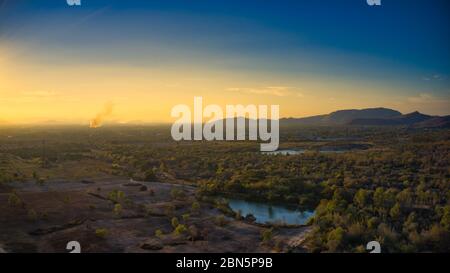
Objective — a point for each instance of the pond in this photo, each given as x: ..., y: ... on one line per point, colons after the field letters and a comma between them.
x: 302, y: 151
x: 286, y: 152
x: 323, y: 149
x: 272, y: 214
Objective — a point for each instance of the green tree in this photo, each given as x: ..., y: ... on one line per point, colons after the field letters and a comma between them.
x: 175, y: 222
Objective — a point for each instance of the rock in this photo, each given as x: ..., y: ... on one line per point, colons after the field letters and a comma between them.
x: 132, y: 184
x: 152, y: 244
x: 143, y: 188
x: 194, y: 234
x: 250, y: 218
x: 175, y: 240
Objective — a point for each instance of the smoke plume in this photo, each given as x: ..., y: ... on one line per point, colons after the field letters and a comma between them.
x: 98, y: 120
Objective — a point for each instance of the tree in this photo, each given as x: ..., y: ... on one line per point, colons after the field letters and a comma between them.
x: 362, y: 198
x: 180, y: 229
x: 150, y: 175
x: 175, y: 222
x: 335, y: 239
x: 445, y: 220
x: 266, y: 235
x: 395, y: 211
x: 117, y: 210
x: 195, y: 207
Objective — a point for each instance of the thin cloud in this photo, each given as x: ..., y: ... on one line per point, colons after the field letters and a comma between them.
x: 278, y: 91
x: 426, y: 98
x: 428, y: 102
x: 434, y: 77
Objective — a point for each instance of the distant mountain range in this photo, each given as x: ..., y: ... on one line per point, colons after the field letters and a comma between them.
x: 371, y: 117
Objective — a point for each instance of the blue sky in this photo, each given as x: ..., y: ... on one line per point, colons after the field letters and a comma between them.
x: 402, y: 46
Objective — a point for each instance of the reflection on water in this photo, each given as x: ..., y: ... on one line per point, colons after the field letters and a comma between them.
x: 285, y: 152
x: 302, y: 151
x: 265, y: 213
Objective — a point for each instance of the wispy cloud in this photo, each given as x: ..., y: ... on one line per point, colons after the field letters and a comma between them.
x: 434, y: 77
x: 279, y: 91
x: 429, y: 103
x: 425, y: 98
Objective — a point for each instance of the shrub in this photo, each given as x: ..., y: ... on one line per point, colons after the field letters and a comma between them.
x: 116, y: 196
x: 175, y: 222
x: 101, y: 232
x: 40, y: 181
x: 117, y: 209
x: 238, y: 215
x: 177, y: 194
x: 186, y: 217
x: 14, y: 199
x: 149, y: 176
x: 169, y: 210
x: 220, y: 220
x: 266, y: 235
x: 195, y: 207
x: 32, y: 215
x: 180, y: 229
x: 159, y: 233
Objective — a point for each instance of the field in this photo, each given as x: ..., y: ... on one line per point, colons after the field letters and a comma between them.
x: 134, y: 189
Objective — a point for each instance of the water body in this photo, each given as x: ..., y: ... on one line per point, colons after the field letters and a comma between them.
x: 272, y: 214
x: 302, y: 151
x: 285, y: 152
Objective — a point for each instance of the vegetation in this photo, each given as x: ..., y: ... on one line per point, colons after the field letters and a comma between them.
x: 101, y: 232
x: 393, y: 189
x: 266, y: 235
x: 175, y: 222
x: 180, y: 229
x: 14, y: 200
x: 159, y: 233
x: 117, y: 210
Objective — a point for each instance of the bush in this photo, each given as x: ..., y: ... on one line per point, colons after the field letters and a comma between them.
x: 195, y: 207
x: 267, y: 235
x: 101, y: 232
x: 186, y: 217
x: 116, y: 196
x: 335, y: 239
x: 117, y: 210
x: 149, y: 176
x: 220, y: 220
x: 238, y: 215
x: 40, y: 181
x: 180, y: 229
x: 14, y: 199
x: 159, y: 233
x: 32, y: 215
x: 175, y: 222
x: 177, y: 194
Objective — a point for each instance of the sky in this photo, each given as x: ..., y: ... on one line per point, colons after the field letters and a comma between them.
x: 65, y: 64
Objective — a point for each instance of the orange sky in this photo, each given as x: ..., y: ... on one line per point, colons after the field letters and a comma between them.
x: 32, y: 91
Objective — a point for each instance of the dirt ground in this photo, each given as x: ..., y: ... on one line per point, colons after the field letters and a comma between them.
x: 44, y: 218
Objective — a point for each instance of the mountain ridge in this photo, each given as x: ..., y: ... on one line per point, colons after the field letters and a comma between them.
x: 379, y: 116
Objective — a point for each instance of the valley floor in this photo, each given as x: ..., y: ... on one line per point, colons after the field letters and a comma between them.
x: 44, y: 218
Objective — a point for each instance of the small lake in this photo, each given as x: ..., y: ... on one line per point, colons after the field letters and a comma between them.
x: 273, y: 214
x: 302, y: 151
x: 285, y: 152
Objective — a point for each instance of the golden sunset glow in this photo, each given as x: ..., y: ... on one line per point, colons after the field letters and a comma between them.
x: 66, y: 75
x: 32, y: 92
